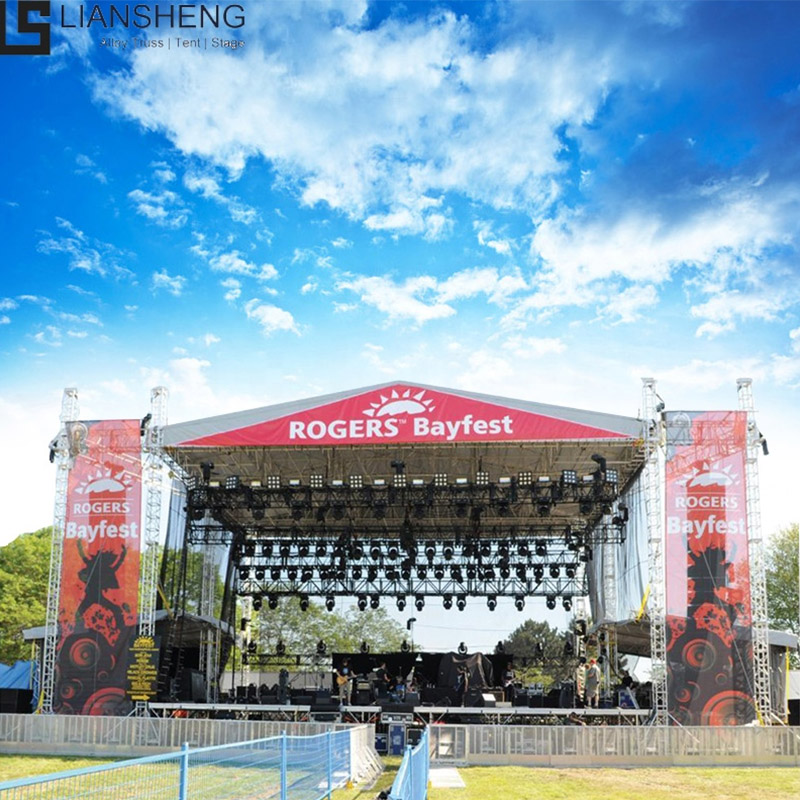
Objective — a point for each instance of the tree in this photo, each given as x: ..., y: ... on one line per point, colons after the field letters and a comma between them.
x: 782, y: 580
x: 24, y: 571
x: 539, y: 655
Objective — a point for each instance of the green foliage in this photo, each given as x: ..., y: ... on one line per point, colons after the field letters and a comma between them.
x: 300, y: 631
x: 24, y: 570
x: 553, y: 667
x: 782, y: 581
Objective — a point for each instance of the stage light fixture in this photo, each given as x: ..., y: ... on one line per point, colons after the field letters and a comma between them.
x: 372, y: 573
x: 322, y: 549
x: 482, y: 478
x: 430, y: 551
x: 256, y: 603
x: 244, y: 573
x: 491, y: 602
x: 541, y: 548
x: 252, y: 647
x: 522, y: 573
x: 291, y: 573
x: 272, y: 601
x: 486, y: 550
x: 355, y: 482
x: 260, y: 573
x: 543, y: 509
x: 555, y: 570
x: 419, y: 602
x: 374, y: 601
x: 206, y: 467
x: 612, y: 476
x: 266, y: 549
x: 462, y: 648
x: 404, y: 646
x: 600, y: 461
x: 401, y: 603
x: 362, y: 602
x: 258, y: 513
x: 405, y: 572
x: 456, y: 574
x: 488, y: 573
x: 250, y: 549
x: 316, y: 481
x: 447, y: 601
x: 191, y: 483
x: 273, y: 482
x: 322, y: 648
x: 275, y: 573
x: 378, y: 482
x: 231, y: 483
x: 356, y: 551
x: 438, y: 572
x: 303, y: 549
x: 399, y: 481
x: 505, y: 572
x: 567, y: 603
x: 519, y: 602
x: 448, y: 552
x: 538, y: 572
x: 471, y: 572
x: 551, y: 601
x: 523, y: 549
x: 375, y: 552
x: 364, y: 647
x: 280, y: 648
x: 461, y: 602
x: 422, y: 571
x: 284, y: 550
x: 214, y: 484
x: 569, y: 649
x: 392, y: 574
x: 570, y: 570
x: 586, y: 506
x: 569, y: 477
x: 525, y: 478
x: 357, y: 573
x: 304, y: 602
x: 440, y: 480
x: 392, y: 552
x: 502, y: 549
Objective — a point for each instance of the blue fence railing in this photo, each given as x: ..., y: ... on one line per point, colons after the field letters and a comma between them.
x: 282, y: 767
x: 411, y: 781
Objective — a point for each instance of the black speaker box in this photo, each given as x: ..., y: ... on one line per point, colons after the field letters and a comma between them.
x: 15, y: 701
x: 302, y: 700
x: 413, y: 698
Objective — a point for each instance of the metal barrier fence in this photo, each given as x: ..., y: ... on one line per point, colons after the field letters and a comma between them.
x: 284, y: 767
x: 567, y: 745
x: 411, y: 781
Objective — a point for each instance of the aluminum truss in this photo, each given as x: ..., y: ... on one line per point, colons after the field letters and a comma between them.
x: 60, y: 455
x: 758, y: 581
x: 153, y: 486
x: 656, y: 602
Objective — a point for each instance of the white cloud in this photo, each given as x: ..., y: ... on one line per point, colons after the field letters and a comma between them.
x: 173, y: 284
x: 794, y: 337
x: 84, y: 252
x: 399, y: 301
x: 412, y: 111
x: 723, y: 309
x: 270, y: 317
x: 532, y: 346
x: 50, y: 336
x: 341, y: 243
x: 234, y: 289
x: 4, y: 320
x: 309, y: 287
x: 7, y: 304
x: 208, y: 186
x: 628, y: 305
x: 165, y: 208
x: 234, y: 263
x: 487, y: 238
x: 87, y: 167
x: 471, y: 282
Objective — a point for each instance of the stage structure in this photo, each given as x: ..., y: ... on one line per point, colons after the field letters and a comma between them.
x: 397, y: 493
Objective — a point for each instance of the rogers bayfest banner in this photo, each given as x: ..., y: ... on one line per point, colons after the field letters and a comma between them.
x: 100, y: 568
x: 709, y: 645
x: 404, y: 413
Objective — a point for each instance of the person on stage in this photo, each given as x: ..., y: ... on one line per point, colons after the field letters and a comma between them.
x: 508, y: 682
x: 592, y: 684
x: 344, y: 680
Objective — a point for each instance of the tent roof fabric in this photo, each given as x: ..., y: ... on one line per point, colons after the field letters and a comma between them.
x: 186, y: 433
x: 17, y: 676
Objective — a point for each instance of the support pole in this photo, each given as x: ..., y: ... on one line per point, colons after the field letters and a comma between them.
x: 758, y: 580
x: 656, y: 603
x: 59, y: 453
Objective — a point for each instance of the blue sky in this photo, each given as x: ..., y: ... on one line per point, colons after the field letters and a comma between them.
x: 537, y: 200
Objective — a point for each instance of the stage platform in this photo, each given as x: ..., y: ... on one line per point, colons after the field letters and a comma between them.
x: 427, y: 715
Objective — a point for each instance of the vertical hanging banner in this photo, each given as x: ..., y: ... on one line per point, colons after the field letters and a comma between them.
x: 709, y: 623
x: 100, y: 568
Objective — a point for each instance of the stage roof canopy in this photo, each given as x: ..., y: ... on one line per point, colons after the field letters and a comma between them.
x: 428, y: 429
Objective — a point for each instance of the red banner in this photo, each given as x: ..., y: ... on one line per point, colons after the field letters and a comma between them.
x: 406, y: 414
x: 100, y: 568
x: 709, y: 646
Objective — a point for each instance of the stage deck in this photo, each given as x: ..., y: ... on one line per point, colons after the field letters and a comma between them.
x: 414, y: 715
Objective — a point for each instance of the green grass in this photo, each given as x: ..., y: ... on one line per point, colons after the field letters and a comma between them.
x: 537, y: 783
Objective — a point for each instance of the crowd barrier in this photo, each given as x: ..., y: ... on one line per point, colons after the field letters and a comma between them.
x: 411, y: 781
x: 282, y: 767
x: 598, y: 745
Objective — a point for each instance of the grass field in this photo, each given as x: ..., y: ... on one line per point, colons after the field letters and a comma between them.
x: 540, y: 783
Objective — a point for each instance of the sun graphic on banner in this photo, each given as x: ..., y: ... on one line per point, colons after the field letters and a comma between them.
x: 710, y: 475
x: 400, y: 403
x: 104, y: 481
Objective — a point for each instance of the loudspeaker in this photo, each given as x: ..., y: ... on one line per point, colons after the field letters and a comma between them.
x: 15, y: 701
x: 474, y: 698
x: 302, y: 700
x: 363, y: 697
x: 192, y: 687
x: 413, y: 698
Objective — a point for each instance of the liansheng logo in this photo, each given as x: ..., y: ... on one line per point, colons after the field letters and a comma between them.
x: 107, y: 16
